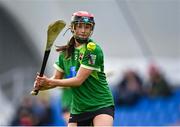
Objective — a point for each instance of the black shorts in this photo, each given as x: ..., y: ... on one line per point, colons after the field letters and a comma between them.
x: 86, y: 119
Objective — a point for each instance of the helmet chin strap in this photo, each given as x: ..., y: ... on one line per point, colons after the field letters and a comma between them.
x: 81, y: 40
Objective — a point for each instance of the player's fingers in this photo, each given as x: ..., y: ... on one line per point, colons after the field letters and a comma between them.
x: 39, y: 81
x: 39, y: 78
x: 36, y: 84
x: 37, y: 73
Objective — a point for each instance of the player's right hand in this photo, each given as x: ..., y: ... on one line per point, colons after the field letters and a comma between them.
x: 40, y: 82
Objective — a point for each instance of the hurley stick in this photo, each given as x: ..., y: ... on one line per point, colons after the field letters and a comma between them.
x: 53, y: 31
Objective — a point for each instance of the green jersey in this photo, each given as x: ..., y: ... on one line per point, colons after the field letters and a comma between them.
x: 94, y: 93
x: 66, y: 98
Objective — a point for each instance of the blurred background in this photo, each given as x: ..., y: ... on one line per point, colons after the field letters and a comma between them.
x: 141, y: 43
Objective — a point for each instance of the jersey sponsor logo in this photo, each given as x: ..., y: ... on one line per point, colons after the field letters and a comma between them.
x: 72, y: 72
x: 92, y: 59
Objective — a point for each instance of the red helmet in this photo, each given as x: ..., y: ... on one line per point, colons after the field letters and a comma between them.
x: 82, y: 17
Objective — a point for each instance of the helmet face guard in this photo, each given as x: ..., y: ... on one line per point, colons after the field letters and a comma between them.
x: 82, y: 17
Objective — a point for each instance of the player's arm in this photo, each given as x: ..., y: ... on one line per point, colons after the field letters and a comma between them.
x: 87, y: 66
x: 81, y: 76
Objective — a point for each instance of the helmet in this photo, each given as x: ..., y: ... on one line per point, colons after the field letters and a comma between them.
x: 82, y: 17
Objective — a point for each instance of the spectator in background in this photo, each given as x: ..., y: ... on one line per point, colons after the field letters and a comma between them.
x: 158, y: 85
x: 24, y: 115
x: 43, y: 111
x: 129, y: 89
x: 26, y: 118
x: 33, y: 113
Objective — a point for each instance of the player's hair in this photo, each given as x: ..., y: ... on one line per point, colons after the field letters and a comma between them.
x: 68, y: 49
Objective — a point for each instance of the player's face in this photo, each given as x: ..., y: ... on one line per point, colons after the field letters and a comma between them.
x: 83, y: 30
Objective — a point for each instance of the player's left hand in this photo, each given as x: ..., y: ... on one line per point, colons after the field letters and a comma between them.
x: 41, y: 82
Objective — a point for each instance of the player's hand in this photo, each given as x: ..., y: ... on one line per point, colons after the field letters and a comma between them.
x: 41, y: 83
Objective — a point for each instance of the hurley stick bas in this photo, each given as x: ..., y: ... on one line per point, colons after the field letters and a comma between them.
x: 53, y: 31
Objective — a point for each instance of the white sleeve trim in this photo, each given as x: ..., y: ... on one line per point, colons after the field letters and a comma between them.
x: 58, y: 68
x: 91, y: 68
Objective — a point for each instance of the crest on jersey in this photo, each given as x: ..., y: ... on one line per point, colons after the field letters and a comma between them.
x: 92, y: 59
x: 81, y: 56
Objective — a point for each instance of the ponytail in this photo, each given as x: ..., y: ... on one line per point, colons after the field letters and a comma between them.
x: 68, y: 49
